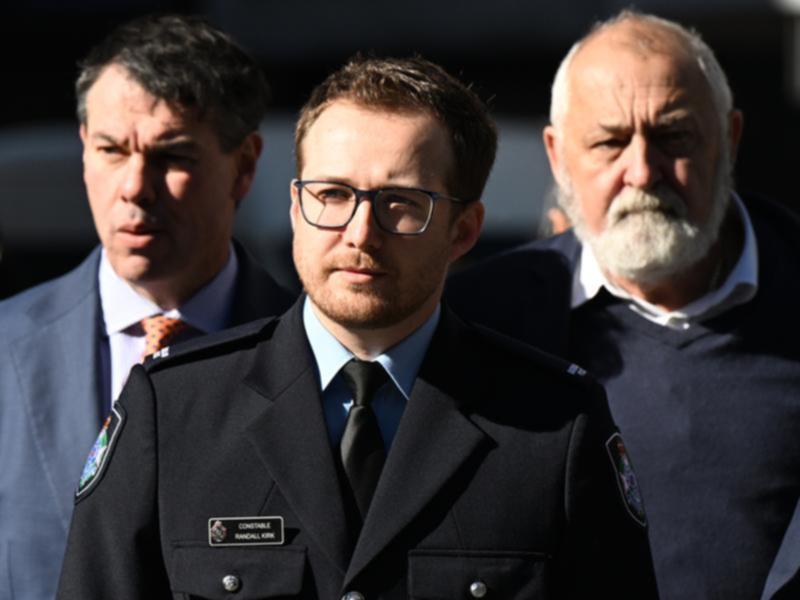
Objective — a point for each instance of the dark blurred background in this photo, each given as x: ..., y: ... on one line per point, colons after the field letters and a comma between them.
x: 508, y: 49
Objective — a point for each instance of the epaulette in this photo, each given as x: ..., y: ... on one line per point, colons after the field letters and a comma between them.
x: 210, y: 344
x: 555, y: 364
x: 574, y: 369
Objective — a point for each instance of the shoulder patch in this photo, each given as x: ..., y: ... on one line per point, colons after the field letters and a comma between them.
x: 100, y: 453
x: 626, y: 479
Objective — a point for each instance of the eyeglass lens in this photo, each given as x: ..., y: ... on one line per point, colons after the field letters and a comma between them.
x: 398, y: 210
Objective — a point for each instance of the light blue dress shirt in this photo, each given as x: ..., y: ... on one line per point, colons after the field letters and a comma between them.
x: 401, y: 362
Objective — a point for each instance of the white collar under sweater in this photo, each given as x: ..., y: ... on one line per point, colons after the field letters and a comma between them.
x: 740, y: 286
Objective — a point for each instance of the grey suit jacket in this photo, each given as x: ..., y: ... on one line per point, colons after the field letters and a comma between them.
x: 50, y: 411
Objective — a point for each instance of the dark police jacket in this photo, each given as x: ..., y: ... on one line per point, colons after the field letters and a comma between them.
x: 500, y: 481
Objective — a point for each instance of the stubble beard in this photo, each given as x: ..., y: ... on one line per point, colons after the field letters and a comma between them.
x: 379, y: 305
x: 648, y: 237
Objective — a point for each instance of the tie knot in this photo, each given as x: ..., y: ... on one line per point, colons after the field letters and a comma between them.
x: 363, y: 378
x: 159, y: 331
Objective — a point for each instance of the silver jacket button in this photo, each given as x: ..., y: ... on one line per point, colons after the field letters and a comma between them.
x: 478, y: 589
x: 353, y: 596
x: 231, y: 583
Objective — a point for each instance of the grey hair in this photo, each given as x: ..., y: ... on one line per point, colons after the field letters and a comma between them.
x: 700, y: 51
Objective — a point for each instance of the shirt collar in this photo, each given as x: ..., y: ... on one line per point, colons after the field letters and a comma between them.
x: 739, y: 287
x: 207, y: 310
x: 401, y: 361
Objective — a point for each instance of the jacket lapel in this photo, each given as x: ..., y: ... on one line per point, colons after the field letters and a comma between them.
x: 435, y: 441
x: 57, y: 369
x: 257, y: 294
x: 783, y: 579
x: 291, y: 437
x: 548, y: 273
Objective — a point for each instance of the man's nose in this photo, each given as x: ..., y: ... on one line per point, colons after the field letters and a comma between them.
x: 137, y: 185
x: 642, y: 166
x: 362, y: 231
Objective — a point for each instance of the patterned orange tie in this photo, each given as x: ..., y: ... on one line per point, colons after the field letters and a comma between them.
x: 159, y: 331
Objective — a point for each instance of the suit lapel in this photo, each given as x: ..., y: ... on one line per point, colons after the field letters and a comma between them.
x: 57, y: 367
x: 784, y: 575
x: 434, y: 442
x: 257, y: 294
x: 291, y: 437
x: 550, y: 271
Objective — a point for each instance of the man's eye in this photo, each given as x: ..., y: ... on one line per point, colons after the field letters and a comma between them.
x: 333, y: 194
x: 179, y: 159
x: 109, y: 149
x: 675, y: 140
x: 401, y: 200
x: 610, y: 143
x: 169, y: 160
x: 678, y: 134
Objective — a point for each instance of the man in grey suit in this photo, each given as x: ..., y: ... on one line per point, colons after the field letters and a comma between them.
x: 169, y: 110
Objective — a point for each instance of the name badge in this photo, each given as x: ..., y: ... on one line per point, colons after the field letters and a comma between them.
x: 245, y: 531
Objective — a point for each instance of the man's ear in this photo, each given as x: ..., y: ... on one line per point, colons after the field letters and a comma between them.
x: 735, y: 128
x: 466, y: 229
x: 83, y: 132
x: 294, y: 208
x: 553, y: 148
x: 246, y: 160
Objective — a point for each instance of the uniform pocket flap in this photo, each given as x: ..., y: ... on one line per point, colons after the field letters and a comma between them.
x: 444, y: 574
x: 246, y: 573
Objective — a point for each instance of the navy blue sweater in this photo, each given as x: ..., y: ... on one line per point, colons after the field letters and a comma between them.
x: 711, y: 416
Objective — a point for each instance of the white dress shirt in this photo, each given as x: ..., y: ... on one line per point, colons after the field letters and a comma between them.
x: 123, y: 309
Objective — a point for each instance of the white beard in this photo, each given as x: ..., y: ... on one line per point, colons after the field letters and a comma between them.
x: 647, y: 236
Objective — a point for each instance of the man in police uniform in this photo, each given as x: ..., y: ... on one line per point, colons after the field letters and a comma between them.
x: 475, y: 467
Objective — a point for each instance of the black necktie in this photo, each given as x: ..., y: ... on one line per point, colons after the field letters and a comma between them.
x: 362, y: 449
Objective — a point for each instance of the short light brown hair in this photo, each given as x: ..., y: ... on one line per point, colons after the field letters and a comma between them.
x: 414, y: 85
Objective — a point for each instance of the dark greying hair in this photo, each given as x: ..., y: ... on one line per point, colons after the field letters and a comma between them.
x: 414, y: 85
x: 185, y: 62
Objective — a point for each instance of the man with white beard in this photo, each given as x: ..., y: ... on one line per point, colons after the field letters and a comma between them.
x: 678, y: 295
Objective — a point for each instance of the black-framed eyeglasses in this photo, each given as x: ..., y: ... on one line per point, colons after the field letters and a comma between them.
x: 398, y: 210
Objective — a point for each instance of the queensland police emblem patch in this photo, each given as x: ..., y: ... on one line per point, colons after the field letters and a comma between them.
x: 100, y: 452
x: 626, y: 478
